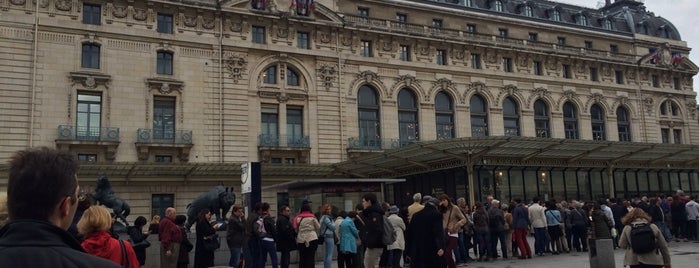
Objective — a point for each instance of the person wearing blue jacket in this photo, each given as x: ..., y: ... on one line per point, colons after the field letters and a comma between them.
x: 520, y: 219
x: 348, y: 241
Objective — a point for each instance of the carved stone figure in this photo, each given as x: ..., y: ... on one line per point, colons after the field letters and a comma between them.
x: 219, y: 200
x: 104, y: 195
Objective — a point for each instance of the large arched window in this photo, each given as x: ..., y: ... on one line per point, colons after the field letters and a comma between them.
x: 292, y: 77
x: 479, y: 117
x: 444, y: 112
x: 597, y: 123
x: 408, y: 131
x: 510, y: 117
x: 369, y: 120
x: 570, y: 121
x: 270, y: 76
x: 542, y: 120
x: 623, y: 124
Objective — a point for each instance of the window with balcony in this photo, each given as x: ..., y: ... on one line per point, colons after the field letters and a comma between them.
x: 90, y: 56
x: 164, y: 118
x: 258, y: 35
x: 164, y: 62
x: 542, y: 119
x: 536, y: 65
x: 302, y: 40
x: 510, y: 117
x: 479, y: 117
x: 92, y: 14
x: 441, y: 57
x: 404, y: 52
x: 89, y: 116
x: 408, y: 126
x: 369, y: 124
x: 623, y: 124
x: 294, y: 127
x: 570, y: 121
x: 444, y: 113
x: 269, y: 123
x: 365, y: 48
x: 164, y: 23
x: 507, y: 64
x: 597, y: 123
x: 475, y: 61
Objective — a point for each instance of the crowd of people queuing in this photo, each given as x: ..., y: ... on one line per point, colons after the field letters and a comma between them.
x: 430, y: 232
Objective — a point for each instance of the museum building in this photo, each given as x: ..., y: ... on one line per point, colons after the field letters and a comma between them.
x: 511, y: 98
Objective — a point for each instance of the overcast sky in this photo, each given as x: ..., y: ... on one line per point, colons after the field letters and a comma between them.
x: 684, y: 14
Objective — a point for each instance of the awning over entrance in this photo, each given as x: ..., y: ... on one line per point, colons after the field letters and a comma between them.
x: 519, y: 151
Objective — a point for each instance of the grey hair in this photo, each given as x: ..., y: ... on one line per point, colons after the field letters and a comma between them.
x: 417, y: 197
x: 461, y: 199
x: 495, y: 202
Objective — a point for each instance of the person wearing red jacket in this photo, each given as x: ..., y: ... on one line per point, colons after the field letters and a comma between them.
x: 94, y: 225
x: 170, y: 239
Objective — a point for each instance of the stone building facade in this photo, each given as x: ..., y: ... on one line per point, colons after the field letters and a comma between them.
x: 168, y: 98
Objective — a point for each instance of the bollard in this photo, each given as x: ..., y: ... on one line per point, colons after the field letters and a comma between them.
x: 601, y: 253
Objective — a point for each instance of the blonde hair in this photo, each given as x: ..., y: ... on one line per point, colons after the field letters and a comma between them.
x: 4, y: 216
x: 94, y: 219
x: 156, y: 219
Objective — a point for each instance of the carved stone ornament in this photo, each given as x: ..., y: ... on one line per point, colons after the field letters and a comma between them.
x: 235, y: 66
x: 164, y: 85
x: 692, y: 107
x: 407, y: 79
x: 368, y: 76
x: 90, y: 80
x: 165, y: 88
x: 327, y: 75
x: 477, y: 86
x: 64, y: 5
x: 648, y: 102
x: 443, y: 83
x: 18, y: 2
x: 120, y: 12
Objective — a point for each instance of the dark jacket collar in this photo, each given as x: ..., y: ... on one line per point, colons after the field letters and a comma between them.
x: 36, y: 233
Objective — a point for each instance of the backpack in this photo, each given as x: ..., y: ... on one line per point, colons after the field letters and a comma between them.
x: 642, y: 238
x: 388, y: 234
x: 259, y: 226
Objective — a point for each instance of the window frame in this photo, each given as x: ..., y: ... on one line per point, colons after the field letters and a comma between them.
x: 479, y: 118
x: 623, y: 124
x: 570, y: 123
x: 165, y: 62
x: 165, y: 114
x: 90, y: 16
x: 302, y: 40
x: 90, y: 54
x: 165, y: 23
x: 366, y: 49
x: 444, y: 116
x: 511, y: 118
x: 544, y: 118
x: 408, y: 117
x: 597, y: 123
x: 259, y: 34
x: 84, y: 112
x: 404, y: 53
x: 441, y: 57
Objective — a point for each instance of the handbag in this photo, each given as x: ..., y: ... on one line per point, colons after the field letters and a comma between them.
x: 124, y: 259
x: 140, y: 245
x: 211, y: 242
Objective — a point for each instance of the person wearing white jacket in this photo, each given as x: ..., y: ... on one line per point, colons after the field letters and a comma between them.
x: 537, y: 218
x: 692, y: 208
x: 396, y: 249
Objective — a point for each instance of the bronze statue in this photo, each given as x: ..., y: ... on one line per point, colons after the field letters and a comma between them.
x: 105, y: 196
x: 219, y: 200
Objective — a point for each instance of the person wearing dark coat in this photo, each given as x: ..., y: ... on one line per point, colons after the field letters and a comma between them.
x: 426, y: 237
x: 186, y: 246
x: 138, y: 236
x: 203, y: 258
x: 286, y: 236
x: 36, y: 235
x: 372, y: 216
x: 235, y: 235
x: 600, y: 223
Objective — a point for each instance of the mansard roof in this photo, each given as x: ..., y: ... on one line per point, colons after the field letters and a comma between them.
x: 626, y: 16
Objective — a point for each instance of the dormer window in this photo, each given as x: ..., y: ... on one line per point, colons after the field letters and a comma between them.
x: 555, y: 15
x: 607, y: 24
x: 528, y: 11
x: 497, y: 6
x: 582, y: 20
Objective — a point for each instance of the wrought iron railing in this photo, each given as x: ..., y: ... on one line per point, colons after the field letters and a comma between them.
x: 363, y: 143
x: 146, y: 135
x: 267, y: 140
x: 78, y: 133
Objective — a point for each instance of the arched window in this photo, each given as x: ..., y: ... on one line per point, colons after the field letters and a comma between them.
x: 623, y: 124
x: 510, y: 117
x: 669, y: 108
x: 542, y: 119
x: 270, y: 76
x: 444, y: 112
x: 369, y: 120
x: 408, y: 131
x: 597, y: 123
x: 479, y: 117
x: 582, y: 20
x: 570, y: 121
x: 607, y: 24
x: 555, y: 15
x: 292, y: 78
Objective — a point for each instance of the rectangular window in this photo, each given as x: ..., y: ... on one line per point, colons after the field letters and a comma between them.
x: 665, y: 135
x: 507, y: 64
x: 90, y: 56
x: 363, y: 12
x: 619, y: 77
x: 160, y: 202
x: 294, y: 127
x: 437, y: 23
x: 561, y: 41
x: 533, y: 37
x: 269, y: 126
x: 537, y: 68
x: 365, y: 48
x: 502, y: 32
x: 401, y: 18
x: 594, y: 75
x: 163, y: 158
x: 588, y: 44
x: 92, y: 14
x: 404, y: 52
x: 566, y: 71
x: 677, y: 83
x: 270, y: 75
x: 677, y: 136
x: 302, y: 40
x: 275, y: 160
x: 258, y: 34
x: 441, y: 57
x: 655, y: 81
x: 164, y: 118
x: 87, y: 158
x: 164, y: 23
x: 164, y: 63
x: 475, y: 61
x: 471, y: 28
x: 89, y: 116
x: 613, y: 49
